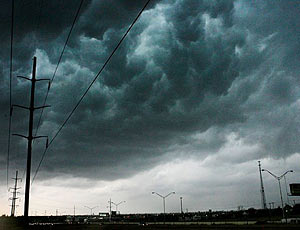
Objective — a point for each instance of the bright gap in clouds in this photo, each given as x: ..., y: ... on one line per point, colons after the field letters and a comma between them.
x: 211, y: 183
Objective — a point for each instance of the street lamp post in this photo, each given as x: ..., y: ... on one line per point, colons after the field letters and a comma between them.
x: 118, y: 204
x: 278, y: 178
x: 164, y: 202
x: 286, y: 189
x: 110, y: 202
x: 181, y: 205
x: 91, y: 209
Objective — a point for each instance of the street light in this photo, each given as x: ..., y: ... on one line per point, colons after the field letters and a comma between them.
x: 118, y: 204
x: 164, y: 202
x: 91, y: 208
x: 286, y: 189
x: 279, y: 178
x: 181, y: 205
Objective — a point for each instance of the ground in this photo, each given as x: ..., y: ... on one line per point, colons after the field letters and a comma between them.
x: 152, y: 227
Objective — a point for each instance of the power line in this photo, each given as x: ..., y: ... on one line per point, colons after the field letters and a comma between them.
x: 95, y: 78
x: 54, y: 74
x: 59, y: 60
x: 37, y: 26
x: 10, y: 88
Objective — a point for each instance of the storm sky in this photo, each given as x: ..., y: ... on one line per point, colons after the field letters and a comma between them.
x: 198, y: 92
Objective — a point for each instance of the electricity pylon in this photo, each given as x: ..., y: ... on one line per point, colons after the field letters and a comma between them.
x: 14, y: 197
x: 29, y: 138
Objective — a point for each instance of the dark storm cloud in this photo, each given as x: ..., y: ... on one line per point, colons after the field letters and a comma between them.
x: 186, y: 68
x: 116, y: 15
x: 152, y: 104
x: 35, y: 22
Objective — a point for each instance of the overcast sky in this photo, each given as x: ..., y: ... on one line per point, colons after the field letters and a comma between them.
x: 197, y: 93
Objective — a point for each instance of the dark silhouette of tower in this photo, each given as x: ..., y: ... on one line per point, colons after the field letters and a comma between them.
x: 262, y: 190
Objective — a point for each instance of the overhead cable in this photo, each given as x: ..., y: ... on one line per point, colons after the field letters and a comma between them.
x: 90, y: 85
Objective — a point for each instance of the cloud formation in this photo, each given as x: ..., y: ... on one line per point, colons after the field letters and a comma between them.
x: 190, y: 76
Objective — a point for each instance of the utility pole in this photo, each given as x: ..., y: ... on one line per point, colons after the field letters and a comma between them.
x: 31, y: 109
x: 29, y: 148
x: 262, y: 190
x: 14, y: 198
